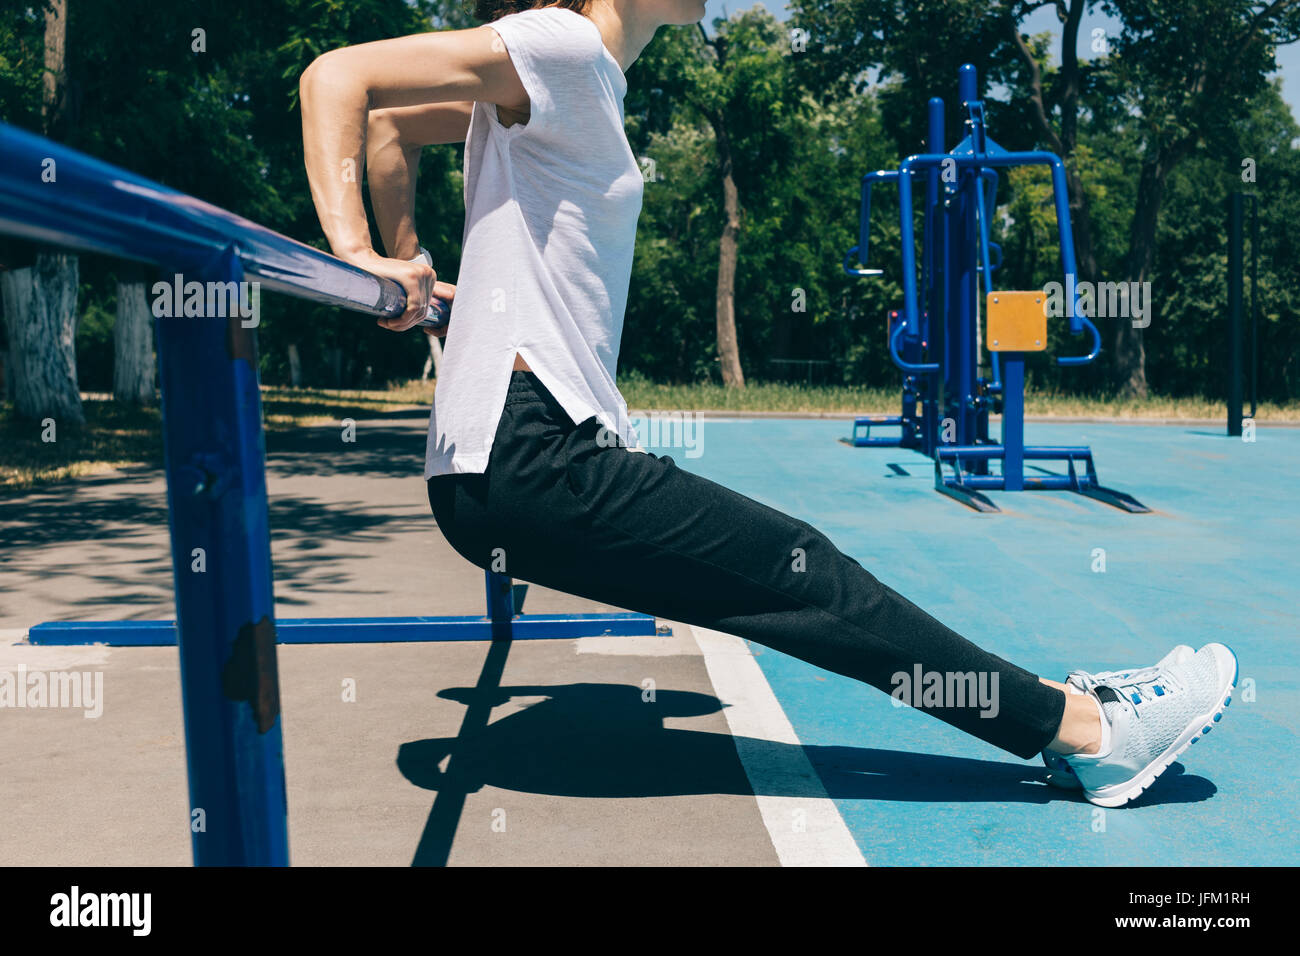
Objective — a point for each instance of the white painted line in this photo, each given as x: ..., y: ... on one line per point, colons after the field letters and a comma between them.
x: 50, y: 656
x: 802, y: 820
x: 677, y: 644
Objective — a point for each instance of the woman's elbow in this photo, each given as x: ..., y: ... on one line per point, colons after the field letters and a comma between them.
x: 381, y: 128
x: 320, y: 72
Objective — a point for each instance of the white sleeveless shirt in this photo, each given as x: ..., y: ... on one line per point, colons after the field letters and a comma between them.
x: 551, y: 208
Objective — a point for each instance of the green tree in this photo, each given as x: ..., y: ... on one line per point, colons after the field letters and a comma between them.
x: 1189, y: 70
x: 1055, y: 106
x: 1190, y: 264
x: 738, y: 84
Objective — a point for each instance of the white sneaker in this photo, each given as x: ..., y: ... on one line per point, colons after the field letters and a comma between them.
x: 1155, y: 714
x: 1080, y: 682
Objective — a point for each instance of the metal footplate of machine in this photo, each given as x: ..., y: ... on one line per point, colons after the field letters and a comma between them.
x: 965, y: 483
x: 862, y: 437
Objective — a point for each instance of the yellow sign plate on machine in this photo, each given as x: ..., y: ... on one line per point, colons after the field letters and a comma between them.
x: 1017, y: 321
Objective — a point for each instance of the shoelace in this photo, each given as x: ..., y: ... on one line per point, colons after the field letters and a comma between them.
x: 1091, y: 680
x: 1134, y: 687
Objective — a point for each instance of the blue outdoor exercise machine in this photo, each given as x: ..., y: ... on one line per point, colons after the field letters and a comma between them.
x: 935, y: 337
x: 216, y: 482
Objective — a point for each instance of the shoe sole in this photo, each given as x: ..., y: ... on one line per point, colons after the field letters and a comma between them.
x: 1060, y: 776
x: 1118, y: 794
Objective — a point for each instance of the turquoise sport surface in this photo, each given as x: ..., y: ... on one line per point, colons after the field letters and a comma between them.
x: 1054, y: 582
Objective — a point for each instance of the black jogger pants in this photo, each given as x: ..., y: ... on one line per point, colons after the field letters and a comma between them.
x: 571, y: 511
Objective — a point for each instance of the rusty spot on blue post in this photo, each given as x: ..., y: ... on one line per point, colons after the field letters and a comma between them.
x: 251, y: 675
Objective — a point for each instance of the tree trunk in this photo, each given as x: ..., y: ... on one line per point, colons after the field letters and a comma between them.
x: 728, y: 348
x: 1080, y: 217
x: 336, y: 366
x: 1064, y: 142
x: 1130, y: 360
x: 1130, y: 355
x: 781, y: 344
x: 133, y: 358
x: 40, y: 302
x: 295, y: 366
x: 40, y: 308
x: 54, y: 77
x: 1081, y: 226
x: 434, y: 362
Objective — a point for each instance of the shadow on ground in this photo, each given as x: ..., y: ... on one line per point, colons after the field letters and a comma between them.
x: 377, y: 451
x: 113, y: 527
x: 603, y: 741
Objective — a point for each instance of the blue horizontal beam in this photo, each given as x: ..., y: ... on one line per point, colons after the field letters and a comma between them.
x: 1032, y: 483
x: 94, y: 206
x: 356, y: 630
x: 1031, y: 452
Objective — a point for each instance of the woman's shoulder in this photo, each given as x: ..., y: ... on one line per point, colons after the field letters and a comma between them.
x: 558, y: 27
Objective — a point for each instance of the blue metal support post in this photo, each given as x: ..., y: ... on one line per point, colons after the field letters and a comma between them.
x: 221, y: 562
x: 932, y: 383
x: 500, y: 605
x: 1013, y: 421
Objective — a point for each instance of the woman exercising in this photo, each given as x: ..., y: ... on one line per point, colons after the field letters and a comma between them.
x: 531, y: 458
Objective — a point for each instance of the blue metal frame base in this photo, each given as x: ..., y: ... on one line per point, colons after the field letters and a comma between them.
x: 965, y: 486
x: 906, y: 437
x: 357, y: 630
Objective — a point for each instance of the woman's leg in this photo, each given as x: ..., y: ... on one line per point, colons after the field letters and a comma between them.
x: 567, y: 511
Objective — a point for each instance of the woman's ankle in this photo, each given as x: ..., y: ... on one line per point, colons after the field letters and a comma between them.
x: 1080, y: 731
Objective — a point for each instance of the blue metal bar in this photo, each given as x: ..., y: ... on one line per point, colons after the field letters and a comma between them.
x: 403, y: 630
x: 982, y: 216
x: 864, y: 212
x: 1061, y: 194
x: 1031, y: 452
x: 990, y: 177
x: 864, y: 440
x: 964, y: 259
x: 357, y: 630
x: 911, y: 319
x: 966, y: 86
x: 221, y: 564
x: 860, y: 251
x: 97, y: 207
x: 985, y: 242
x: 1093, y: 351
x: 933, y: 188
x: 934, y: 248
x: 500, y: 604
x: 896, y: 355
x: 1013, y: 421
x: 964, y: 161
x: 997, y: 262
x: 1035, y: 483
x: 858, y: 272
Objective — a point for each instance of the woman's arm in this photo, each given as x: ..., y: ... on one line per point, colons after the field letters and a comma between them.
x: 338, y: 91
x: 394, y: 138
